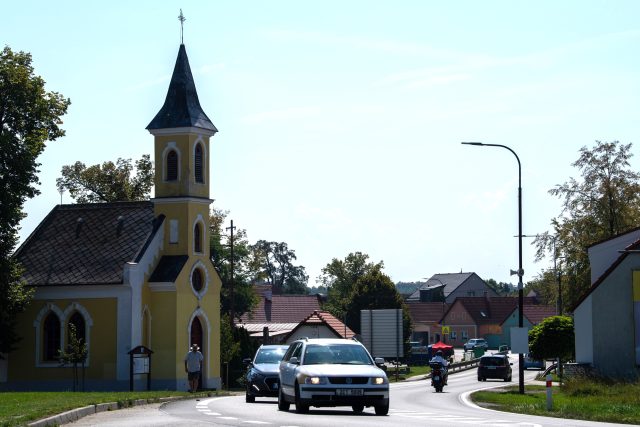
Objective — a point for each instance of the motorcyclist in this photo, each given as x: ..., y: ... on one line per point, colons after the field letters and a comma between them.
x: 438, y: 358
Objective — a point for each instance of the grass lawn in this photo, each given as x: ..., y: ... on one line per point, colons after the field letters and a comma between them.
x: 577, y: 399
x: 20, y: 408
x: 413, y: 371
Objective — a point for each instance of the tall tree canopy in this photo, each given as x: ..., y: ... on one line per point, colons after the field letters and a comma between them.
x: 603, y: 203
x: 374, y: 290
x: 552, y: 338
x: 340, y: 277
x: 273, y: 263
x: 220, y: 244
x: 29, y: 116
x: 109, y: 182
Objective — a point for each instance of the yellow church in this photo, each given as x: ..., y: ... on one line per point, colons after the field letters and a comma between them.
x: 130, y: 276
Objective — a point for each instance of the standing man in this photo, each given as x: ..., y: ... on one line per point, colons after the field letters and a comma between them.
x: 193, y: 366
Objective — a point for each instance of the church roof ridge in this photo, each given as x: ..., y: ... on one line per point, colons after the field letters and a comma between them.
x: 181, y: 107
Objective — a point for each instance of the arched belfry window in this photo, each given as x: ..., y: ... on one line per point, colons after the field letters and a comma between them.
x: 172, y: 165
x: 78, y: 322
x: 197, y: 237
x: 51, y: 337
x: 199, y: 164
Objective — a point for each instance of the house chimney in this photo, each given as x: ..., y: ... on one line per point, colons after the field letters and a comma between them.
x: 267, y: 308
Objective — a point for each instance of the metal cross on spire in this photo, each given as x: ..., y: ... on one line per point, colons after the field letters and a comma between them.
x: 181, y: 18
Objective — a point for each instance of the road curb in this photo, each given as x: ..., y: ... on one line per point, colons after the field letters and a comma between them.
x: 76, y: 414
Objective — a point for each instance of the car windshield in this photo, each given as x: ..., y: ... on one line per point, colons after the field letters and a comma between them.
x: 269, y: 355
x: 492, y: 361
x: 336, y: 354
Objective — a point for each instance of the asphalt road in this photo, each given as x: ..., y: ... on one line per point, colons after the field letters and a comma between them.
x: 412, y: 403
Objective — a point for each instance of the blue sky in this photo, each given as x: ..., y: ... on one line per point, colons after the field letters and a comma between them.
x: 340, y: 122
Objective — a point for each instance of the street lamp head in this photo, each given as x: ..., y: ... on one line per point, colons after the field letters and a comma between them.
x: 472, y: 143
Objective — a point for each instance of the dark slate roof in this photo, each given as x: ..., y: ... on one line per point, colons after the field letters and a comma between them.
x: 87, y: 243
x: 168, y: 268
x: 450, y: 280
x: 181, y: 107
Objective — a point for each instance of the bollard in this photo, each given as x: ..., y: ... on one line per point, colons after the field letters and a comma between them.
x: 549, y: 399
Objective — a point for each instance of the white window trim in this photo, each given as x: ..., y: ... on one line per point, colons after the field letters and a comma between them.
x: 63, y: 317
x: 200, y: 221
x: 198, y: 264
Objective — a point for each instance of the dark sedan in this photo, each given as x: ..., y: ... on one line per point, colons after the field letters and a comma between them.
x: 262, y: 375
x: 495, y: 366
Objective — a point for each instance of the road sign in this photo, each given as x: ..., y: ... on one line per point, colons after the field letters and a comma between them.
x: 446, y: 330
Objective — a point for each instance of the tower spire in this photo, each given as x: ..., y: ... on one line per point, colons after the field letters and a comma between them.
x: 181, y: 18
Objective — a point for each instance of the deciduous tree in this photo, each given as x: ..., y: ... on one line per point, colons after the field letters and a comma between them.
x: 29, y: 116
x: 109, y: 182
x: 375, y: 291
x: 220, y: 245
x: 273, y: 263
x: 552, y: 338
x: 602, y: 203
x: 340, y: 277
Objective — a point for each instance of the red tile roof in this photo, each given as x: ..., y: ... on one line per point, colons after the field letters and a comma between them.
x: 283, y: 308
x: 328, y: 319
x: 493, y: 310
x: 537, y: 313
x: 427, y: 312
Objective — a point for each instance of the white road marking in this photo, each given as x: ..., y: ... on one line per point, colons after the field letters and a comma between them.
x: 255, y: 422
x: 217, y: 414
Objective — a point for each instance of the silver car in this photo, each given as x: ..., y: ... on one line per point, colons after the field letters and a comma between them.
x: 332, y: 372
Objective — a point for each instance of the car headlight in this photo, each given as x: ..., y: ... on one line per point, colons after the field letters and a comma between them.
x: 315, y: 380
x: 379, y: 380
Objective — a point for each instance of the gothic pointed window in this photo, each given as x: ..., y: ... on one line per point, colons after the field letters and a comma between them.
x: 172, y: 166
x: 197, y: 238
x: 51, y: 337
x: 199, y: 164
x: 78, y: 322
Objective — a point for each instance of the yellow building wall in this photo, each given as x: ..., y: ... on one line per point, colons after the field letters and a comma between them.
x: 163, y: 334
x: 102, y: 342
x: 184, y: 144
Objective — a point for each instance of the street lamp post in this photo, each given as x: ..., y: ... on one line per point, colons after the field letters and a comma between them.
x: 520, y: 270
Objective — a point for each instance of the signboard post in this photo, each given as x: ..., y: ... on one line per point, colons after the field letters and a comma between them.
x: 382, y: 333
x: 140, y: 364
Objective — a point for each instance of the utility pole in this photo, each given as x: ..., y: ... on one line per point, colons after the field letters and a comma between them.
x: 232, y: 311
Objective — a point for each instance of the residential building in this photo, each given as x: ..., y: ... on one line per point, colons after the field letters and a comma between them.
x: 607, y: 317
x: 449, y: 286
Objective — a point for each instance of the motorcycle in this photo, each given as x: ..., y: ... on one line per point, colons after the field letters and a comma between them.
x: 437, y: 376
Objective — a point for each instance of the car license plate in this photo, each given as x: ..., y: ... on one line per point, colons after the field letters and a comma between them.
x: 491, y: 367
x: 349, y: 392
x: 436, y: 378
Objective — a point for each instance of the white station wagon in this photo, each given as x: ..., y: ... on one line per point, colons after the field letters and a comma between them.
x: 332, y: 372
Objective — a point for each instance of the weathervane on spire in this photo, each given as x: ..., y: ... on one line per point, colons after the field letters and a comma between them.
x: 181, y: 18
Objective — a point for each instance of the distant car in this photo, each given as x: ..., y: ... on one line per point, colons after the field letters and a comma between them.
x: 496, y: 366
x: 475, y: 343
x: 530, y: 362
x: 503, y: 349
x: 332, y: 372
x: 263, y: 372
